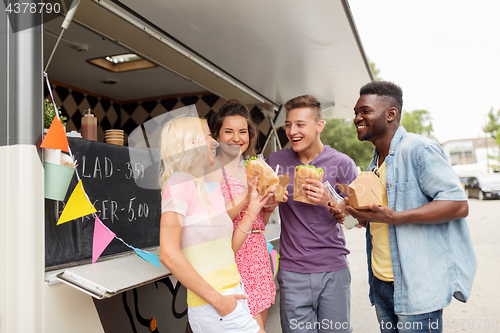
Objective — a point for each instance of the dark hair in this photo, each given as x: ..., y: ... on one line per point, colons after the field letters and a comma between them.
x: 387, y: 91
x: 235, y: 108
x: 306, y: 101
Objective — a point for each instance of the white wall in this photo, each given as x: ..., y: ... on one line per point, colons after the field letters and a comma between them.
x: 21, y: 239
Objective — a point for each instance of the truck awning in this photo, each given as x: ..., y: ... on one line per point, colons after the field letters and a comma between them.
x: 259, y: 52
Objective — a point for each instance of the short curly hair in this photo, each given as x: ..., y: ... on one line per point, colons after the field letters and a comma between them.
x: 387, y: 91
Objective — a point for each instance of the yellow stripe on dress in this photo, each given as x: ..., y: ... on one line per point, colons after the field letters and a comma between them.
x: 210, y: 256
x: 221, y: 280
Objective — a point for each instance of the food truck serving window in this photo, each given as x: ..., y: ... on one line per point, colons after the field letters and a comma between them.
x: 125, y: 193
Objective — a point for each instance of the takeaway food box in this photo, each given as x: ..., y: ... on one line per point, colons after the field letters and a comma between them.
x: 363, y: 191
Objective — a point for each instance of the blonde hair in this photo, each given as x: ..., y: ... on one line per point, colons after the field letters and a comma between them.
x: 180, y: 149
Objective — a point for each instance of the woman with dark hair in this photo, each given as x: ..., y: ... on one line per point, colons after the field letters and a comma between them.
x: 233, y: 109
x: 237, y: 136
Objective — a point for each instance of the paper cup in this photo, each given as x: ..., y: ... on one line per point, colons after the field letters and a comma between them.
x: 118, y: 142
x: 52, y: 155
x: 57, y: 180
x: 117, y: 132
x: 114, y: 138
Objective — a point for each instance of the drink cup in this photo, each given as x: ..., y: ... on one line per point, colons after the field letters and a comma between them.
x: 114, y: 137
x: 52, y: 155
x: 118, y: 142
x: 117, y: 132
x: 57, y: 180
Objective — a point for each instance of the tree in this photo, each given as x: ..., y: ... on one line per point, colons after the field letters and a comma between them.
x: 375, y: 72
x: 493, y: 127
x: 341, y: 135
x: 493, y: 124
x: 419, y: 122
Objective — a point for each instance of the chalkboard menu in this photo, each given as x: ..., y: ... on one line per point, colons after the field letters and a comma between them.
x: 124, y: 192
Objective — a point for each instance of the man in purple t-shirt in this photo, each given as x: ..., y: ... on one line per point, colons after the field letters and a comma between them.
x: 314, y: 274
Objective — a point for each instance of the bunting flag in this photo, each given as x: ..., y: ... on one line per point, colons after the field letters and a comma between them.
x: 102, y: 237
x: 275, y: 257
x: 152, y: 258
x: 269, y: 247
x: 56, y: 136
x: 78, y: 205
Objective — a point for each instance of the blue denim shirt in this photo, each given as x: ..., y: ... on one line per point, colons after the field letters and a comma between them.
x: 431, y: 262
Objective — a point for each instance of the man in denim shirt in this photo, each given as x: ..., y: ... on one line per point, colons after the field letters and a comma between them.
x: 419, y: 247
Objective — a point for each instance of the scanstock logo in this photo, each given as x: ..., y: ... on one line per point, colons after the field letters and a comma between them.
x: 26, y: 14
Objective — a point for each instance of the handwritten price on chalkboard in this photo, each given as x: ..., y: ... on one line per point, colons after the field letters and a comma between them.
x: 136, y: 172
x: 142, y: 210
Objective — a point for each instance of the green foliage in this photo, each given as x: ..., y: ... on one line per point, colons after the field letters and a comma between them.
x: 419, y: 122
x: 493, y: 127
x: 49, y: 113
x: 493, y: 124
x: 341, y: 135
x: 375, y: 72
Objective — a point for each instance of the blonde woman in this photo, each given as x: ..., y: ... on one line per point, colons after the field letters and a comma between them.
x: 197, y: 241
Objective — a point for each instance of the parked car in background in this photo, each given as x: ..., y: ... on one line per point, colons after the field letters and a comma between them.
x: 463, y: 181
x: 485, y: 186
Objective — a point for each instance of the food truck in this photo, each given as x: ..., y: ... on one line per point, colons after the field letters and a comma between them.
x: 129, y: 62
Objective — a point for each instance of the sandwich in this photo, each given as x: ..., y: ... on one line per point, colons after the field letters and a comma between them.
x: 303, y: 172
x: 268, y: 180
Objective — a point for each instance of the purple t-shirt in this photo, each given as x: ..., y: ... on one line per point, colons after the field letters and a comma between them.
x: 311, y: 240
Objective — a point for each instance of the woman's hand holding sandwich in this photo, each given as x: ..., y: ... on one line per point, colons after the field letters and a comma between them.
x: 257, y: 202
x: 271, y: 206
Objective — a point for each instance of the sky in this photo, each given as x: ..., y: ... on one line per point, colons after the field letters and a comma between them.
x: 444, y: 54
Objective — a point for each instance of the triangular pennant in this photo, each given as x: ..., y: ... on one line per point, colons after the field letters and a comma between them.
x: 152, y: 258
x: 77, y: 206
x: 277, y: 264
x: 269, y: 247
x: 275, y: 259
x: 102, y: 237
x: 56, y: 136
